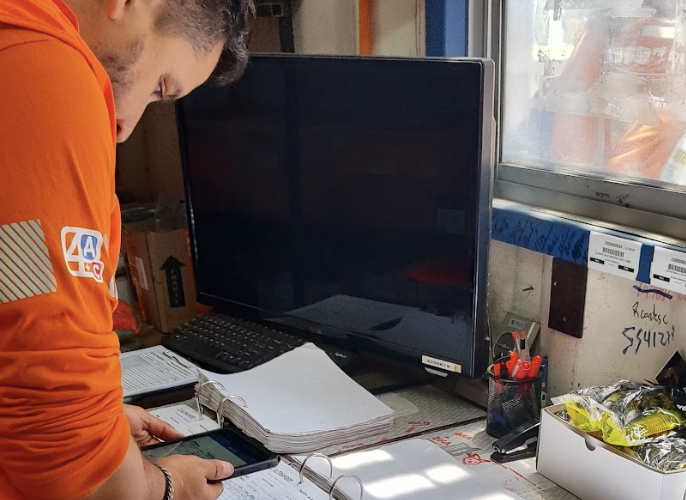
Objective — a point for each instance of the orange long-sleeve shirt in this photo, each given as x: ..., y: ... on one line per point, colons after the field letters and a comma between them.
x: 62, y: 430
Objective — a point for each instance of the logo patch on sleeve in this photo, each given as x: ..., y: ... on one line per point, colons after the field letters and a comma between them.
x: 25, y: 267
x: 82, y: 250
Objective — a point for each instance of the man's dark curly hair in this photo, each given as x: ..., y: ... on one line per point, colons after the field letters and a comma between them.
x: 208, y: 22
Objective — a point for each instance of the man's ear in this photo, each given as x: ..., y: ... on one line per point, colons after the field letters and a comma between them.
x: 117, y: 8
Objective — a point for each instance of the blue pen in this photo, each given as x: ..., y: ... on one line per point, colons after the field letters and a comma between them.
x: 544, y: 381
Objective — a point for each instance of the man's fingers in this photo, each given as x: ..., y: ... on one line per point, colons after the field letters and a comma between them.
x: 142, y: 423
x: 216, y: 469
x: 145, y: 439
x: 160, y: 429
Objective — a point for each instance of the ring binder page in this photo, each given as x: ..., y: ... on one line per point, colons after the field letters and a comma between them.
x: 185, y: 419
x: 154, y: 369
x: 296, y: 403
x: 278, y: 483
x: 414, y: 469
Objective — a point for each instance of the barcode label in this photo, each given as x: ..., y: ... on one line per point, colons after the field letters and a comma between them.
x: 675, y: 268
x: 668, y: 270
x: 615, y: 253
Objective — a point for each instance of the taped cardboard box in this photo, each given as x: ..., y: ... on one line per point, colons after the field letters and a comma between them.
x: 162, y: 276
x: 594, y: 470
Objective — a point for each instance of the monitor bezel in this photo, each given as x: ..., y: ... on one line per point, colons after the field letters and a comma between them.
x: 475, y: 362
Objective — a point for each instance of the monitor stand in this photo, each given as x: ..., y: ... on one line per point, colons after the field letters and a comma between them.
x: 380, y: 375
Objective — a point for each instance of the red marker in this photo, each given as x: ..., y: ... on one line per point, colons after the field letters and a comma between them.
x: 515, y: 370
x: 521, y: 371
x: 512, y: 362
x: 535, y: 366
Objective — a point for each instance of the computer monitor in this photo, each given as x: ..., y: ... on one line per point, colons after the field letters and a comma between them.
x: 348, y: 197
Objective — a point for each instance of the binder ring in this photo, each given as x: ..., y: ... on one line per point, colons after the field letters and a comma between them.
x: 352, y: 476
x: 199, y: 389
x: 220, y: 415
x: 321, y: 455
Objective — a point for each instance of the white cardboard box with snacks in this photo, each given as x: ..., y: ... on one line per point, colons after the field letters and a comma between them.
x: 594, y: 470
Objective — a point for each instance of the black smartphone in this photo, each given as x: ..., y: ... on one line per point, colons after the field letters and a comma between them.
x: 228, y: 444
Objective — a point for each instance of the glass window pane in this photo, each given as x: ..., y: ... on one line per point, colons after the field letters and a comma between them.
x: 596, y: 86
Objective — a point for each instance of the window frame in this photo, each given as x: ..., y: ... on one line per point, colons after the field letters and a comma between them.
x: 651, y: 211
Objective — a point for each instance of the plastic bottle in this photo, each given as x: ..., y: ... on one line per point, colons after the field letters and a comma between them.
x: 675, y: 168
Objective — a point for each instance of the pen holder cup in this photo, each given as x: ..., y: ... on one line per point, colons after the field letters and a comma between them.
x: 511, y: 403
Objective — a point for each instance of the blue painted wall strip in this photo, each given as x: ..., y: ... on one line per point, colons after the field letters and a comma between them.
x: 435, y: 28
x: 561, y: 238
x: 446, y: 28
x: 456, y: 20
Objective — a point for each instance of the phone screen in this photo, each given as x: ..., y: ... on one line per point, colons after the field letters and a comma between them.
x: 221, y: 445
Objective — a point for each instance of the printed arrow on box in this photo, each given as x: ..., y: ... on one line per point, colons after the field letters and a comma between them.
x: 172, y: 270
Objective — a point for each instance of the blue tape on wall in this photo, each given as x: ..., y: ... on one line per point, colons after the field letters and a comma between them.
x: 647, y: 252
x: 550, y: 236
x: 561, y: 238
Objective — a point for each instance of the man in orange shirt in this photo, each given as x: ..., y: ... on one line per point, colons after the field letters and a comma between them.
x: 65, y: 66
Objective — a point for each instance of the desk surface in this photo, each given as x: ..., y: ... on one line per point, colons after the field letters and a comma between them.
x: 466, y: 441
x: 472, y: 446
x: 459, y: 428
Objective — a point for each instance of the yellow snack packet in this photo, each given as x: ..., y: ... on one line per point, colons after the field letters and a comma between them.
x: 642, y: 430
x: 624, y: 414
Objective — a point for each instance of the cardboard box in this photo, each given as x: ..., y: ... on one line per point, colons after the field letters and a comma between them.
x: 161, y: 272
x: 594, y: 470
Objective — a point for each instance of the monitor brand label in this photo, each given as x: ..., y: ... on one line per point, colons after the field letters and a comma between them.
x: 443, y: 365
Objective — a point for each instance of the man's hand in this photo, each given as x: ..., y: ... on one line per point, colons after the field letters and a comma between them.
x: 190, y: 475
x: 139, y: 478
x: 148, y: 429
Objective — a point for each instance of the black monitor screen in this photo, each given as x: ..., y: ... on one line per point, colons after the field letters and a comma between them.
x: 346, y: 196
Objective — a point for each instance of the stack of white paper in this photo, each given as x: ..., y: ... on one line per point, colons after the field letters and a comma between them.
x: 298, y: 402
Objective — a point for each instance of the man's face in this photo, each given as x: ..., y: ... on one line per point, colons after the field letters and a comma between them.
x: 153, y: 68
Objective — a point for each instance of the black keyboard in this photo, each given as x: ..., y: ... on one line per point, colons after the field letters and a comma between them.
x: 226, y: 344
